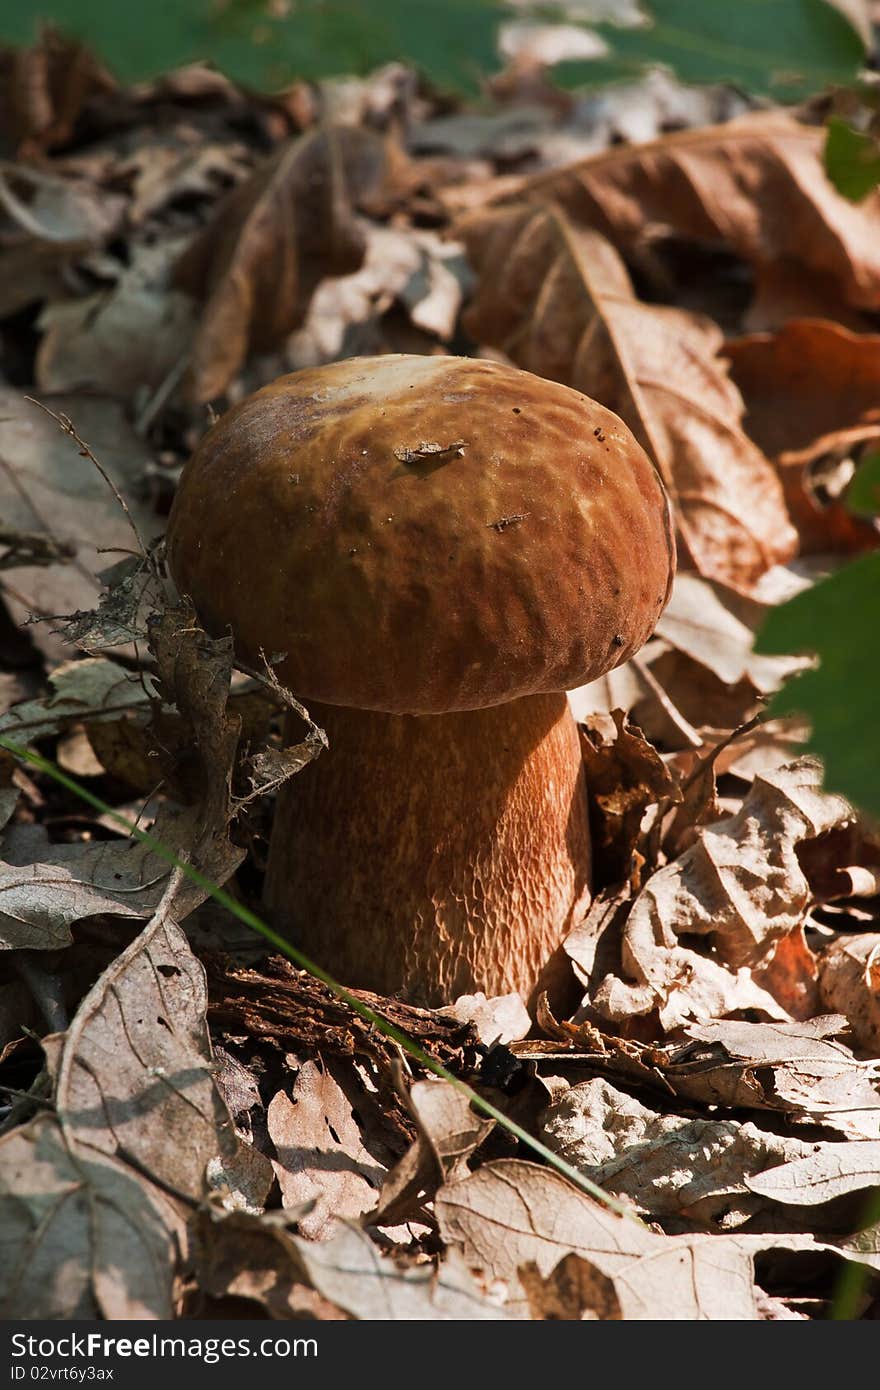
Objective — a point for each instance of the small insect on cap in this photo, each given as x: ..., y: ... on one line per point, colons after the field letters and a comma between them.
x: 424, y: 534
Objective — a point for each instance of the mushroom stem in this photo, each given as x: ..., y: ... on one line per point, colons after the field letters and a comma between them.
x: 437, y: 855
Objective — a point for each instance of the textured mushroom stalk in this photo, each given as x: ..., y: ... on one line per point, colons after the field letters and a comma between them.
x: 437, y: 854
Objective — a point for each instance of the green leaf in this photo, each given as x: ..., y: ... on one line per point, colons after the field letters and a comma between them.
x: 787, y: 49
x: 863, y: 493
x: 852, y: 160
x: 836, y: 620
x: 454, y: 42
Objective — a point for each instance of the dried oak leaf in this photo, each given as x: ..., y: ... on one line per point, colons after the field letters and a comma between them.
x: 270, y: 242
x: 811, y: 389
x: 756, y: 185
x: 625, y: 776
x: 557, y: 299
x: 47, y: 488
x: 321, y: 1161
x: 449, y: 1131
x: 741, y: 887
x: 348, y: 1272
x: 849, y: 981
x: 510, y: 1213
x: 133, y: 1075
x: 81, y: 1236
x: 667, y: 1165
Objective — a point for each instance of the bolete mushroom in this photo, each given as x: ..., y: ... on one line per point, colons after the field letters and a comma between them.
x: 441, y: 547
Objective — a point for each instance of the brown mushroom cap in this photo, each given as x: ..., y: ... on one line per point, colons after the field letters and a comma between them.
x: 424, y: 534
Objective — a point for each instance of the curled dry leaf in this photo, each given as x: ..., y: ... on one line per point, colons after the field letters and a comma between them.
x: 449, y: 1131
x: 270, y: 241
x: 133, y: 1075
x: 557, y: 299
x: 756, y: 185
x: 741, y: 887
x: 790, y: 1066
x: 625, y: 776
x: 667, y: 1165
x: 347, y: 1272
x: 811, y: 389
x: 81, y: 1236
x: 849, y: 981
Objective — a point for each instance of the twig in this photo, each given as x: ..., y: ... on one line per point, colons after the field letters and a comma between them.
x: 65, y: 424
x: 686, y: 729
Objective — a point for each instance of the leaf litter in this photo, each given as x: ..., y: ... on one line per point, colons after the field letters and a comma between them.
x: 201, y: 1119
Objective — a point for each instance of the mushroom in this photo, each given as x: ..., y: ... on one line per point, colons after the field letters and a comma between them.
x: 440, y: 547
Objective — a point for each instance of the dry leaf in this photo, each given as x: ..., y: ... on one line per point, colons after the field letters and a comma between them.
x: 44, y: 88
x: 45, y: 486
x: 625, y: 776
x: 271, y: 240
x: 756, y: 185
x: 321, y: 1162
x: 80, y: 1237
x: 449, y: 1131
x: 93, y: 689
x: 830, y: 1171
x: 812, y: 389
x: 123, y: 341
x: 348, y: 1271
x: 574, y: 1290
x: 503, y: 1019
x: 558, y: 301
x: 44, y: 888
x: 46, y: 224
x: 741, y: 887
x: 666, y: 1165
x: 509, y: 1214
x: 849, y: 981
x: 133, y: 1075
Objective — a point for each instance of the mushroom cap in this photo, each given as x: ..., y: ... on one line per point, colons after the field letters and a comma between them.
x: 424, y: 534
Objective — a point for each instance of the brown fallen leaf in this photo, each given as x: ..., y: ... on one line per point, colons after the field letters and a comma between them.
x: 348, y: 1272
x: 321, y: 1162
x: 271, y: 240
x: 120, y: 342
x: 741, y: 887
x: 625, y: 776
x: 44, y: 88
x: 449, y: 1132
x: 667, y: 1165
x: 797, y: 1067
x: 47, y: 223
x: 812, y: 389
x: 511, y: 1214
x: 830, y: 1171
x: 557, y: 299
x: 849, y: 981
x: 756, y: 184
x: 46, y: 487
x: 133, y: 1075
x: 81, y: 1236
